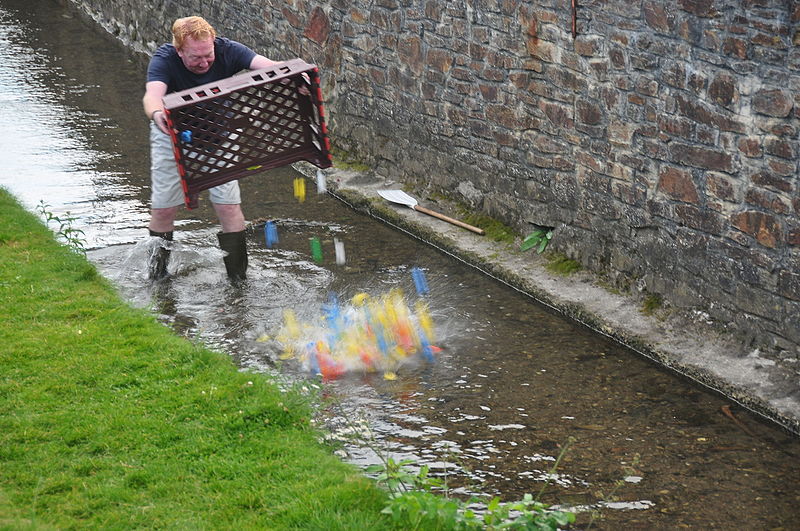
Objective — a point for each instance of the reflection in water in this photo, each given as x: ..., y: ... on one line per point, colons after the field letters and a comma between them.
x: 514, y: 382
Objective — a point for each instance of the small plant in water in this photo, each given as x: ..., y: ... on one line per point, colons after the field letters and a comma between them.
x: 414, y: 504
x: 628, y: 470
x: 71, y: 236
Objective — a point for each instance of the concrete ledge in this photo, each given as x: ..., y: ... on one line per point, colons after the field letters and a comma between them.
x: 684, y: 342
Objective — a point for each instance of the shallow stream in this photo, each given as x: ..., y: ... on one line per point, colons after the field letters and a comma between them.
x: 513, y: 383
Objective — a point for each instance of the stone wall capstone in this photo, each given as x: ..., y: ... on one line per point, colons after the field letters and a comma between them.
x: 661, y: 142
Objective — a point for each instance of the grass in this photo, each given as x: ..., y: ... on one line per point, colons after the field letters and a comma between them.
x: 495, y: 230
x: 652, y: 303
x: 346, y: 161
x: 562, y: 265
x: 108, y: 420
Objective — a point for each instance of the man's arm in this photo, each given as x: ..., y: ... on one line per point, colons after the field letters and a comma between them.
x: 153, y: 103
x: 259, y: 61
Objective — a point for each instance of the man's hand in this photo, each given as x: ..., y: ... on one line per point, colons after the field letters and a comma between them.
x: 153, y: 104
x: 160, y: 119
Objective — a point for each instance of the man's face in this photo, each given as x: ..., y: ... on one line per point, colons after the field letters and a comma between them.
x: 197, y: 56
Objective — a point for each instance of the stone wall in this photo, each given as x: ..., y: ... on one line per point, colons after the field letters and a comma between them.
x: 661, y: 141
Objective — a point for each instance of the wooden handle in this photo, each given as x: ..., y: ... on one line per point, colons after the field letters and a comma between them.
x: 461, y: 224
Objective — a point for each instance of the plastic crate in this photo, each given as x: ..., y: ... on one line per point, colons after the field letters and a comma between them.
x: 247, y: 123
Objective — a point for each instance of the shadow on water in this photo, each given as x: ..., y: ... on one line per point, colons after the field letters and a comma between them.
x: 513, y: 382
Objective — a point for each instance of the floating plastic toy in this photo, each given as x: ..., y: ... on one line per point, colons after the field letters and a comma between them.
x: 338, y: 247
x: 420, y: 282
x: 300, y: 189
x: 270, y: 233
x: 369, y: 334
x: 316, y: 249
x: 322, y: 186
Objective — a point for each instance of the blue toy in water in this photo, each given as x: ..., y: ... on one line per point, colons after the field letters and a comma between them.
x: 419, y: 281
x: 270, y: 233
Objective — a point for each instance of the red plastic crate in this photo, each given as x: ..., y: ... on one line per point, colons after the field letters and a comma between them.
x: 247, y: 123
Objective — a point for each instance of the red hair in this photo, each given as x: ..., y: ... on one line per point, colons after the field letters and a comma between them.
x: 191, y: 27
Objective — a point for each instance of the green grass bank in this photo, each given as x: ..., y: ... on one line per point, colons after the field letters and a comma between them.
x: 108, y: 420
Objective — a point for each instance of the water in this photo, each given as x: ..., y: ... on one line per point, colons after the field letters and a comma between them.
x: 514, y: 382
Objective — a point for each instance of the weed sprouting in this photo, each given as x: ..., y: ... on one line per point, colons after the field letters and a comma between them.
x: 539, y: 238
x: 72, y: 237
x: 628, y: 470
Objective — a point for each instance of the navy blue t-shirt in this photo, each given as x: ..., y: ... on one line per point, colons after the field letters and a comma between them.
x: 231, y: 57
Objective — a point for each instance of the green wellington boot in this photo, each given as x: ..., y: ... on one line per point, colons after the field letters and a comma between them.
x: 235, y: 247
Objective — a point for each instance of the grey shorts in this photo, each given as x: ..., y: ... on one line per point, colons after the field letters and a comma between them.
x: 166, y: 187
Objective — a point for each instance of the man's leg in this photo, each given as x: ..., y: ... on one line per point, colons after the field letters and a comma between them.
x: 163, y: 219
x: 166, y: 198
x: 226, y: 200
x: 230, y: 217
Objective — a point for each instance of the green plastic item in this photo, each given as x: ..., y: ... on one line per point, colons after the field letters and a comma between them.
x: 316, y: 249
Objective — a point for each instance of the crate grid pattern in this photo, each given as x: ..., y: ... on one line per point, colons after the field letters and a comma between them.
x: 246, y: 124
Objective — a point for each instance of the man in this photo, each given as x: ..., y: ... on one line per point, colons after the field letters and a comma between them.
x: 195, y: 57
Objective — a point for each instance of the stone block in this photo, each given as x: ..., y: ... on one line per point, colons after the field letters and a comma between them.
x: 655, y: 150
x: 750, y: 147
x: 698, y: 112
x: 720, y: 186
x: 767, y: 200
x: 549, y: 144
x: 782, y: 168
x: 702, y: 219
x: 773, y: 102
x: 559, y: 115
x: 588, y: 45
x: 676, y: 126
x: 502, y: 115
x: 722, y: 90
x: 618, y: 58
x: 621, y: 133
x: 440, y: 60
x: 780, y: 148
x: 542, y: 50
x: 678, y: 184
x: 756, y: 301
x: 658, y: 16
x: 772, y: 41
x: 588, y: 112
x: 699, y: 8
x: 318, y: 26
x: 765, y: 228
x: 644, y: 61
x: 789, y: 285
x: 701, y: 157
x: 793, y: 237
x: 409, y: 52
